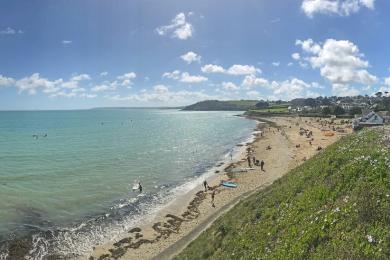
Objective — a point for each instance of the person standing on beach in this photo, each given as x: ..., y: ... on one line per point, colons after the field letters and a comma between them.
x: 262, y: 165
x: 206, y: 185
x: 139, y: 187
x: 249, y: 161
x: 212, y: 199
x: 254, y: 160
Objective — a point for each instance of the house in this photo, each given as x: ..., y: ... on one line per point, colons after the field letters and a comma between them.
x: 370, y: 119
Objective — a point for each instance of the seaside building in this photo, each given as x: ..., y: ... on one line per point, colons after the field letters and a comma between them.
x: 370, y: 119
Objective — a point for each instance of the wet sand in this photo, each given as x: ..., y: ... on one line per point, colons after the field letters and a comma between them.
x: 292, y: 141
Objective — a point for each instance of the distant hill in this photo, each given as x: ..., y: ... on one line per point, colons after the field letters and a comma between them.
x: 334, y: 206
x: 216, y: 105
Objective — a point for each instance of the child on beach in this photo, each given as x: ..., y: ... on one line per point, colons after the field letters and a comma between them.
x: 262, y: 165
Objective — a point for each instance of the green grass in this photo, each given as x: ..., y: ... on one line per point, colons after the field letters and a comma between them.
x: 334, y: 206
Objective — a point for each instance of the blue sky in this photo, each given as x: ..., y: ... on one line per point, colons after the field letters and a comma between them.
x: 70, y: 54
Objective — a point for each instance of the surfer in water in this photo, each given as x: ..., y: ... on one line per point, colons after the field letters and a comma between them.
x: 139, y: 187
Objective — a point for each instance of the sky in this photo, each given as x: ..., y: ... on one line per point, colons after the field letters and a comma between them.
x: 71, y: 54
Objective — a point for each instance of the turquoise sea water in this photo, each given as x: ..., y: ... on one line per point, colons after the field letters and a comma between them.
x: 66, y: 176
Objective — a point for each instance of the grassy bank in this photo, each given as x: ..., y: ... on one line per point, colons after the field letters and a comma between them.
x: 336, y: 205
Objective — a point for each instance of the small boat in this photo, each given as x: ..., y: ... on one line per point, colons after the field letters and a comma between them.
x: 229, y: 184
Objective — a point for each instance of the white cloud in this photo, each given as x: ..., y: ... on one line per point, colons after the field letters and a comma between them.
x: 340, y: 62
x: 70, y: 84
x: 184, y: 77
x: 161, y: 94
x: 103, y: 74
x: 126, y: 79
x: 5, y: 81
x: 238, y: 69
x: 34, y: 82
x: 387, y: 81
x: 296, y: 56
x: 74, y: 81
x: 78, y: 90
x: 66, y: 42
x: 81, y: 77
x: 309, y: 46
x: 86, y: 95
x: 161, y: 89
x: 10, y: 31
x: 63, y: 94
x: 335, y: 7
x: 230, y: 86
x: 172, y: 75
x: 253, y: 94
x: 276, y: 63
x: 211, y: 68
x: 106, y: 86
x: 54, y: 88
x: 179, y: 28
x: 191, y: 57
x: 187, y: 78
x: 286, y: 90
x: 294, y: 88
x: 290, y: 64
x: 252, y: 81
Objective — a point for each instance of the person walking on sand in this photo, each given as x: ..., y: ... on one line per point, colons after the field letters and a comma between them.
x: 249, y: 162
x: 212, y: 199
x: 262, y: 165
x: 206, y: 185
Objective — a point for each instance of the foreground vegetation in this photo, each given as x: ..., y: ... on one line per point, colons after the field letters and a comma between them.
x: 334, y: 206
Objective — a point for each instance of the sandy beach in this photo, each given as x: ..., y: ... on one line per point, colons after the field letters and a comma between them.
x: 281, y: 142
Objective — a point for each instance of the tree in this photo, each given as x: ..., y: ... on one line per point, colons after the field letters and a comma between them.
x: 310, y: 102
x: 378, y: 94
x: 326, y: 111
x: 355, y: 111
x: 338, y: 111
x: 262, y: 104
x: 325, y: 102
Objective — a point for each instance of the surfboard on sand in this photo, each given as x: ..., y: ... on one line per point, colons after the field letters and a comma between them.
x: 229, y: 184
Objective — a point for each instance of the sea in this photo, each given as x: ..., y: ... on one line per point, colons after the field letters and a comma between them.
x: 67, y: 177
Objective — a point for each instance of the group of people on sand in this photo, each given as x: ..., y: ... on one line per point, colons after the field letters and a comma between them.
x: 255, y: 162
